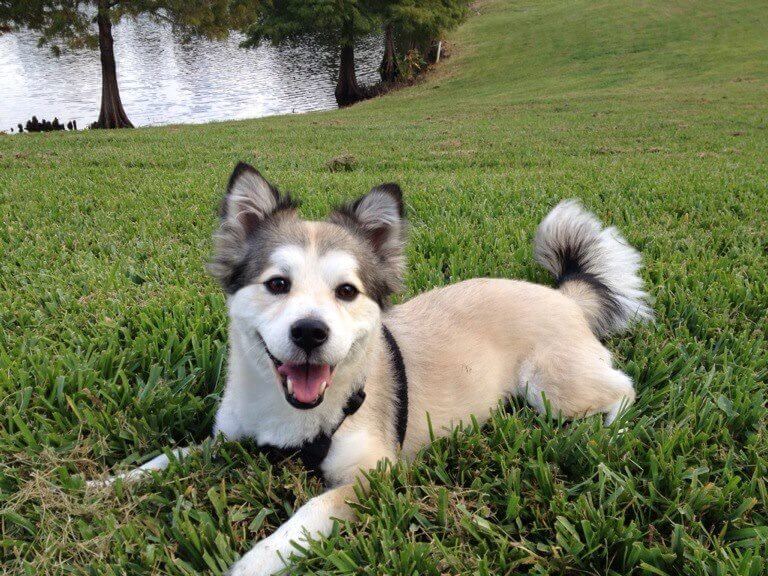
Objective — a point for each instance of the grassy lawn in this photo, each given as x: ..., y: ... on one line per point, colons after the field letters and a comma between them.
x: 113, y: 341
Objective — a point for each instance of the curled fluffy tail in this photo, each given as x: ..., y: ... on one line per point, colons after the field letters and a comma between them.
x: 593, y: 265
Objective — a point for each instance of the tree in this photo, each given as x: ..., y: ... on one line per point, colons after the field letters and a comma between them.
x: 335, y: 23
x: 389, y: 69
x: 415, y: 25
x: 76, y: 24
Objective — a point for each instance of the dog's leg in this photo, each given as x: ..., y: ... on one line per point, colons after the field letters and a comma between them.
x: 158, y: 463
x: 575, y: 384
x: 314, y: 519
x: 617, y: 408
x: 226, y: 427
x: 350, y: 455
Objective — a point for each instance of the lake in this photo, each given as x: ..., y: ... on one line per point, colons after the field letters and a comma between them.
x: 164, y: 81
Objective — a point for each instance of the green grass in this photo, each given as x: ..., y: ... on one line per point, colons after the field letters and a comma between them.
x: 113, y: 342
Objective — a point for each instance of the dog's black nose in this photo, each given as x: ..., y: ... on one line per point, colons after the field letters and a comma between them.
x: 309, y: 333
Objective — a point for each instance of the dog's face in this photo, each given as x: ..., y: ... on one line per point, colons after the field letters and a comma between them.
x: 308, y: 295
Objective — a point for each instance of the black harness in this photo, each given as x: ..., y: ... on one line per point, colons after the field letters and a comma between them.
x: 313, y: 452
x: 401, y: 391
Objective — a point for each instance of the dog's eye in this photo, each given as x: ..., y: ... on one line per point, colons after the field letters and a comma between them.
x: 278, y: 285
x: 346, y: 292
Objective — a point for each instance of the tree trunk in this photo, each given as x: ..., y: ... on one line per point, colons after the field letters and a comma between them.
x: 347, y: 90
x: 388, y: 68
x: 112, y: 114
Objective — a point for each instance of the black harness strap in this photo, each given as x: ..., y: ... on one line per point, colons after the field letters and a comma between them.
x: 313, y: 452
x: 353, y: 405
x: 401, y: 390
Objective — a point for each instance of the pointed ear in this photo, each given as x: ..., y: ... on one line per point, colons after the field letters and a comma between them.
x: 379, y: 217
x: 249, y: 198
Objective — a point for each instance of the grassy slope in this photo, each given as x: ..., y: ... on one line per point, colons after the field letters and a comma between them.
x: 112, y: 342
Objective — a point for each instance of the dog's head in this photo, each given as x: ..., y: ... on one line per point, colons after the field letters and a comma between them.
x: 307, y: 295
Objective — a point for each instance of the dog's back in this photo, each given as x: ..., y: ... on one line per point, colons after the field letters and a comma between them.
x: 471, y: 344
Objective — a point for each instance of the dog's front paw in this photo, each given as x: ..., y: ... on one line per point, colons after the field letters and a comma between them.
x: 262, y: 560
x: 96, y: 484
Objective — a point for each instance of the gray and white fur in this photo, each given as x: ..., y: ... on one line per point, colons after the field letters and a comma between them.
x: 593, y: 265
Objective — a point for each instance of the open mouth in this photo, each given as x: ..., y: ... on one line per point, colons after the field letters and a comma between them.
x: 304, y: 385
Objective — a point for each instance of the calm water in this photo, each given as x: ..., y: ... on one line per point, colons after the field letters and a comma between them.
x: 163, y: 81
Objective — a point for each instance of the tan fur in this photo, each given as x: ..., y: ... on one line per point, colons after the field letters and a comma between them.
x: 585, y: 296
x: 466, y: 347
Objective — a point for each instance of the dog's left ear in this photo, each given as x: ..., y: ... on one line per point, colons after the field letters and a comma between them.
x: 379, y: 218
x: 248, y: 202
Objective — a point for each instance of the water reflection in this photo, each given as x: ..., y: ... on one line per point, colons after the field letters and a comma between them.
x: 163, y: 81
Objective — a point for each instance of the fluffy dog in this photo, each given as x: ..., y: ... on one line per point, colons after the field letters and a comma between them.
x: 322, y: 366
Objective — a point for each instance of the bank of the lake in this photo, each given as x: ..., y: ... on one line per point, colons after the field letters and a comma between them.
x: 164, y: 80
x: 113, y: 338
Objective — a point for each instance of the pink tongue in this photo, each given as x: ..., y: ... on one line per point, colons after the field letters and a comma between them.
x: 306, y: 379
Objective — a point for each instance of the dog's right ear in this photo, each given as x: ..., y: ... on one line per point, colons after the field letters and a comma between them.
x: 249, y: 198
x: 248, y: 201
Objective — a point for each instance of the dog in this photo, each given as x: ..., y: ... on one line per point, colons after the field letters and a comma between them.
x: 322, y: 366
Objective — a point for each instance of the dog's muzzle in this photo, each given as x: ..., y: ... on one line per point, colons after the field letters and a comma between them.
x: 304, y: 384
